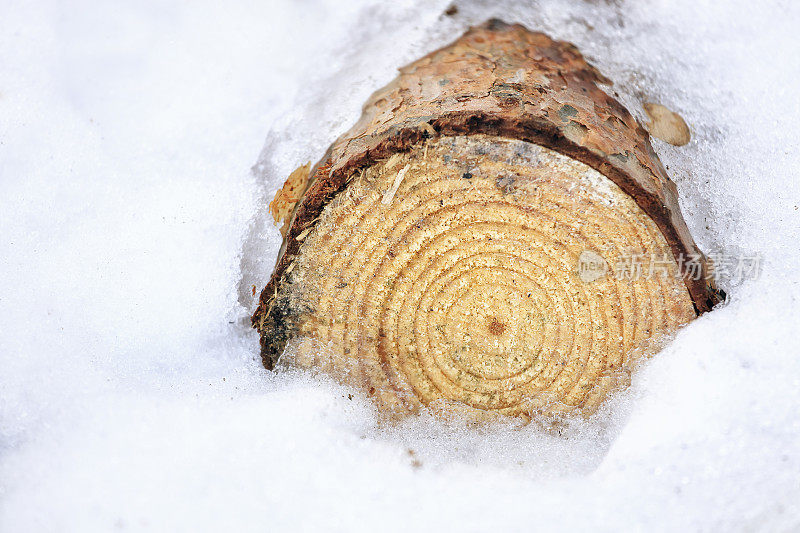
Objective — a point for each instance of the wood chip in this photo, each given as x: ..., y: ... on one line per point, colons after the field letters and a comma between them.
x: 667, y: 125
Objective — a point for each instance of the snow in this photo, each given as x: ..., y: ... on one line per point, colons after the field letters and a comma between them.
x: 132, y: 229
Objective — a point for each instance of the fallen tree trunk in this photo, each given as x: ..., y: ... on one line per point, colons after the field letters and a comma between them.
x: 495, y: 232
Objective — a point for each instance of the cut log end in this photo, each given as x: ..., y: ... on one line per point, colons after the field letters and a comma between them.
x: 495, y: 236
x: 468, y: 285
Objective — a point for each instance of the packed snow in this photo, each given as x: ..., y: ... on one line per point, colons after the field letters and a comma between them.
x: 134, y: 177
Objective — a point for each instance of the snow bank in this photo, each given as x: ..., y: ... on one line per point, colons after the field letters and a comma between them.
x: 132, y: 231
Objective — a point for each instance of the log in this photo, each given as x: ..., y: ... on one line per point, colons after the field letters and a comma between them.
x: 463, y: 245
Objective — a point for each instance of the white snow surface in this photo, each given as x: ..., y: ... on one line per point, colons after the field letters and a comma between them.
x: 133, y: 224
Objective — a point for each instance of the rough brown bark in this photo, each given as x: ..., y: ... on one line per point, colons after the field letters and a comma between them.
x: 502, y: 81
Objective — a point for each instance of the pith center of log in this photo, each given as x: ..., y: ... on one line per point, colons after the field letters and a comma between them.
x: 496, y: 327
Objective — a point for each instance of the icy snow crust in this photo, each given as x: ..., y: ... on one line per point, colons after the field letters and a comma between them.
x: 132, y: 230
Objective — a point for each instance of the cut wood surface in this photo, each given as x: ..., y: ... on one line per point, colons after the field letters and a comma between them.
x: 460, y: 246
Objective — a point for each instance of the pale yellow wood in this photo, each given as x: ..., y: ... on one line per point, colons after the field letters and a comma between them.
x: 450, y: 277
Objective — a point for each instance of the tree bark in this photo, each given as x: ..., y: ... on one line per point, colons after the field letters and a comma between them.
x: 461, y: 245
